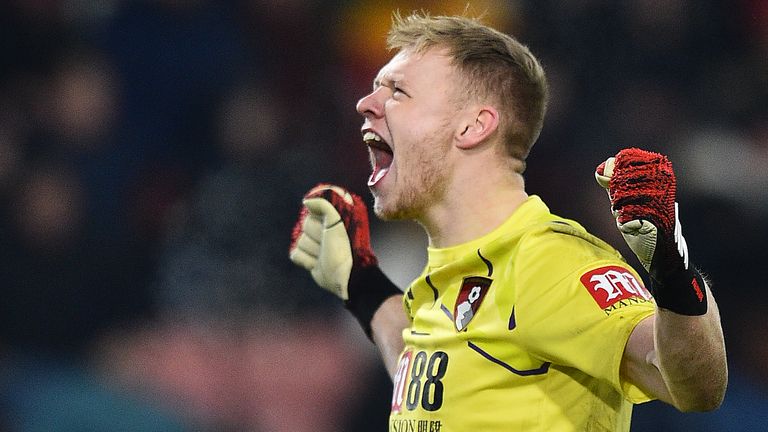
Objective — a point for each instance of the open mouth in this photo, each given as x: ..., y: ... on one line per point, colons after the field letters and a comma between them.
x: 381, y: 157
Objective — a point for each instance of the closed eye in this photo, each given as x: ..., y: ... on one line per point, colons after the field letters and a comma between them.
x: 397, y: 90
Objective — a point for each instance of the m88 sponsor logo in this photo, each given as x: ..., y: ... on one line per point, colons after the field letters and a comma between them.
x: 418, y: 381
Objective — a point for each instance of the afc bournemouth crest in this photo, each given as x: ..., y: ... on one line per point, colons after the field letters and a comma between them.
x: 471, y: 294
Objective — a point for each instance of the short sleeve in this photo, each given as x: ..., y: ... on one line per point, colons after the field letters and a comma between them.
x: 577, y: 306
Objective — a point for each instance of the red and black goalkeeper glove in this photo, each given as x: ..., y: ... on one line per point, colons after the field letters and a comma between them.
x: 642, y: 186
x: 332, y: 240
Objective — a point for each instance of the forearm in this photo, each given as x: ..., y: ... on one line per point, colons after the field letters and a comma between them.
x: 690, y: 354
x: 387, y: 331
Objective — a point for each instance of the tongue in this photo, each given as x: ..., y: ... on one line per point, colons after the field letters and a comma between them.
x: 377, y: 174
x: 383, y: 160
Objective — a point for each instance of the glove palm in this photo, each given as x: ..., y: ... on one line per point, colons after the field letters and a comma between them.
x: 331, y: 237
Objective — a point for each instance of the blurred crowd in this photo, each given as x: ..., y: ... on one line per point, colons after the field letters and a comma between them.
x: 153, y: 155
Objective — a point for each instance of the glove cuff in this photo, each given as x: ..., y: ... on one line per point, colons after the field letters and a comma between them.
x: 368, y: 288
x: 682, y: 292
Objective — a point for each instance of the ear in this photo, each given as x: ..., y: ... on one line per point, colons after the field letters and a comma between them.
x: 480, y: 123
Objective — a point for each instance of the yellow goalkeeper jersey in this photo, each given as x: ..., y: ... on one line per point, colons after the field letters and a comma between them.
x: 520, y: 330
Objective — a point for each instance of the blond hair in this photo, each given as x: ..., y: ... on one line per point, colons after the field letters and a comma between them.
x: 495, y: 67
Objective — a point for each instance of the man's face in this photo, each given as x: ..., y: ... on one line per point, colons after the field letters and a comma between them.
x: 410, y: 117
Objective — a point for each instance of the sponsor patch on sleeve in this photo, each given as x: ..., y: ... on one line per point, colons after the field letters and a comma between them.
x: 611, y: 284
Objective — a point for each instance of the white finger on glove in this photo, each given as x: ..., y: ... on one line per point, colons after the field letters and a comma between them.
x: 307, y: 246
x: 321, y: 209
x: 604, y: 178
x: 641, y: 237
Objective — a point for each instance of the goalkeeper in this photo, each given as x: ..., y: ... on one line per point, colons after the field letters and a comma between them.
x: 521, y: 320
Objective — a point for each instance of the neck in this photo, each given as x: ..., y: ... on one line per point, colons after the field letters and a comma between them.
x: 477, y: 201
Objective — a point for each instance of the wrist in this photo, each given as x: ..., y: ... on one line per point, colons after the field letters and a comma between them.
x: 368, y: 288
x: 682, y: 291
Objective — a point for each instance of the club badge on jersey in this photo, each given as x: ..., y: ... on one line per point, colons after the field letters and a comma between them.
x: 471, y: 294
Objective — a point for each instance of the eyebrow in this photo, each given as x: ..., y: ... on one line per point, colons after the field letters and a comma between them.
x: 387, y: 81
x: 379, y: 81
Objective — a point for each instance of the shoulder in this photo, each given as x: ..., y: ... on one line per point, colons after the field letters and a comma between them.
x: 537, y: 232
x: 564, y: 240
x: 560, y: 256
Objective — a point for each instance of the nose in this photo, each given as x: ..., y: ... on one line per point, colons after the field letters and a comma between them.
x: 371, y: 106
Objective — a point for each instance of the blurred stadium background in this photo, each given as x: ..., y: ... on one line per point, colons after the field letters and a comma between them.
x: 153, y: 155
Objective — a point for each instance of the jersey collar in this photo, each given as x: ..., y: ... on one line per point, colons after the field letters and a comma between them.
x: 530, y: 212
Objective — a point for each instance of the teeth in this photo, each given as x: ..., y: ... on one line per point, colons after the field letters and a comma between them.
x: 371, y: 136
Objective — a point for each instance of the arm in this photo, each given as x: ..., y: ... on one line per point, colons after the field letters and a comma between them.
x: 678, y: 355
x: 387, y: 325
x: 332, y: 241
x: 679, y: 359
